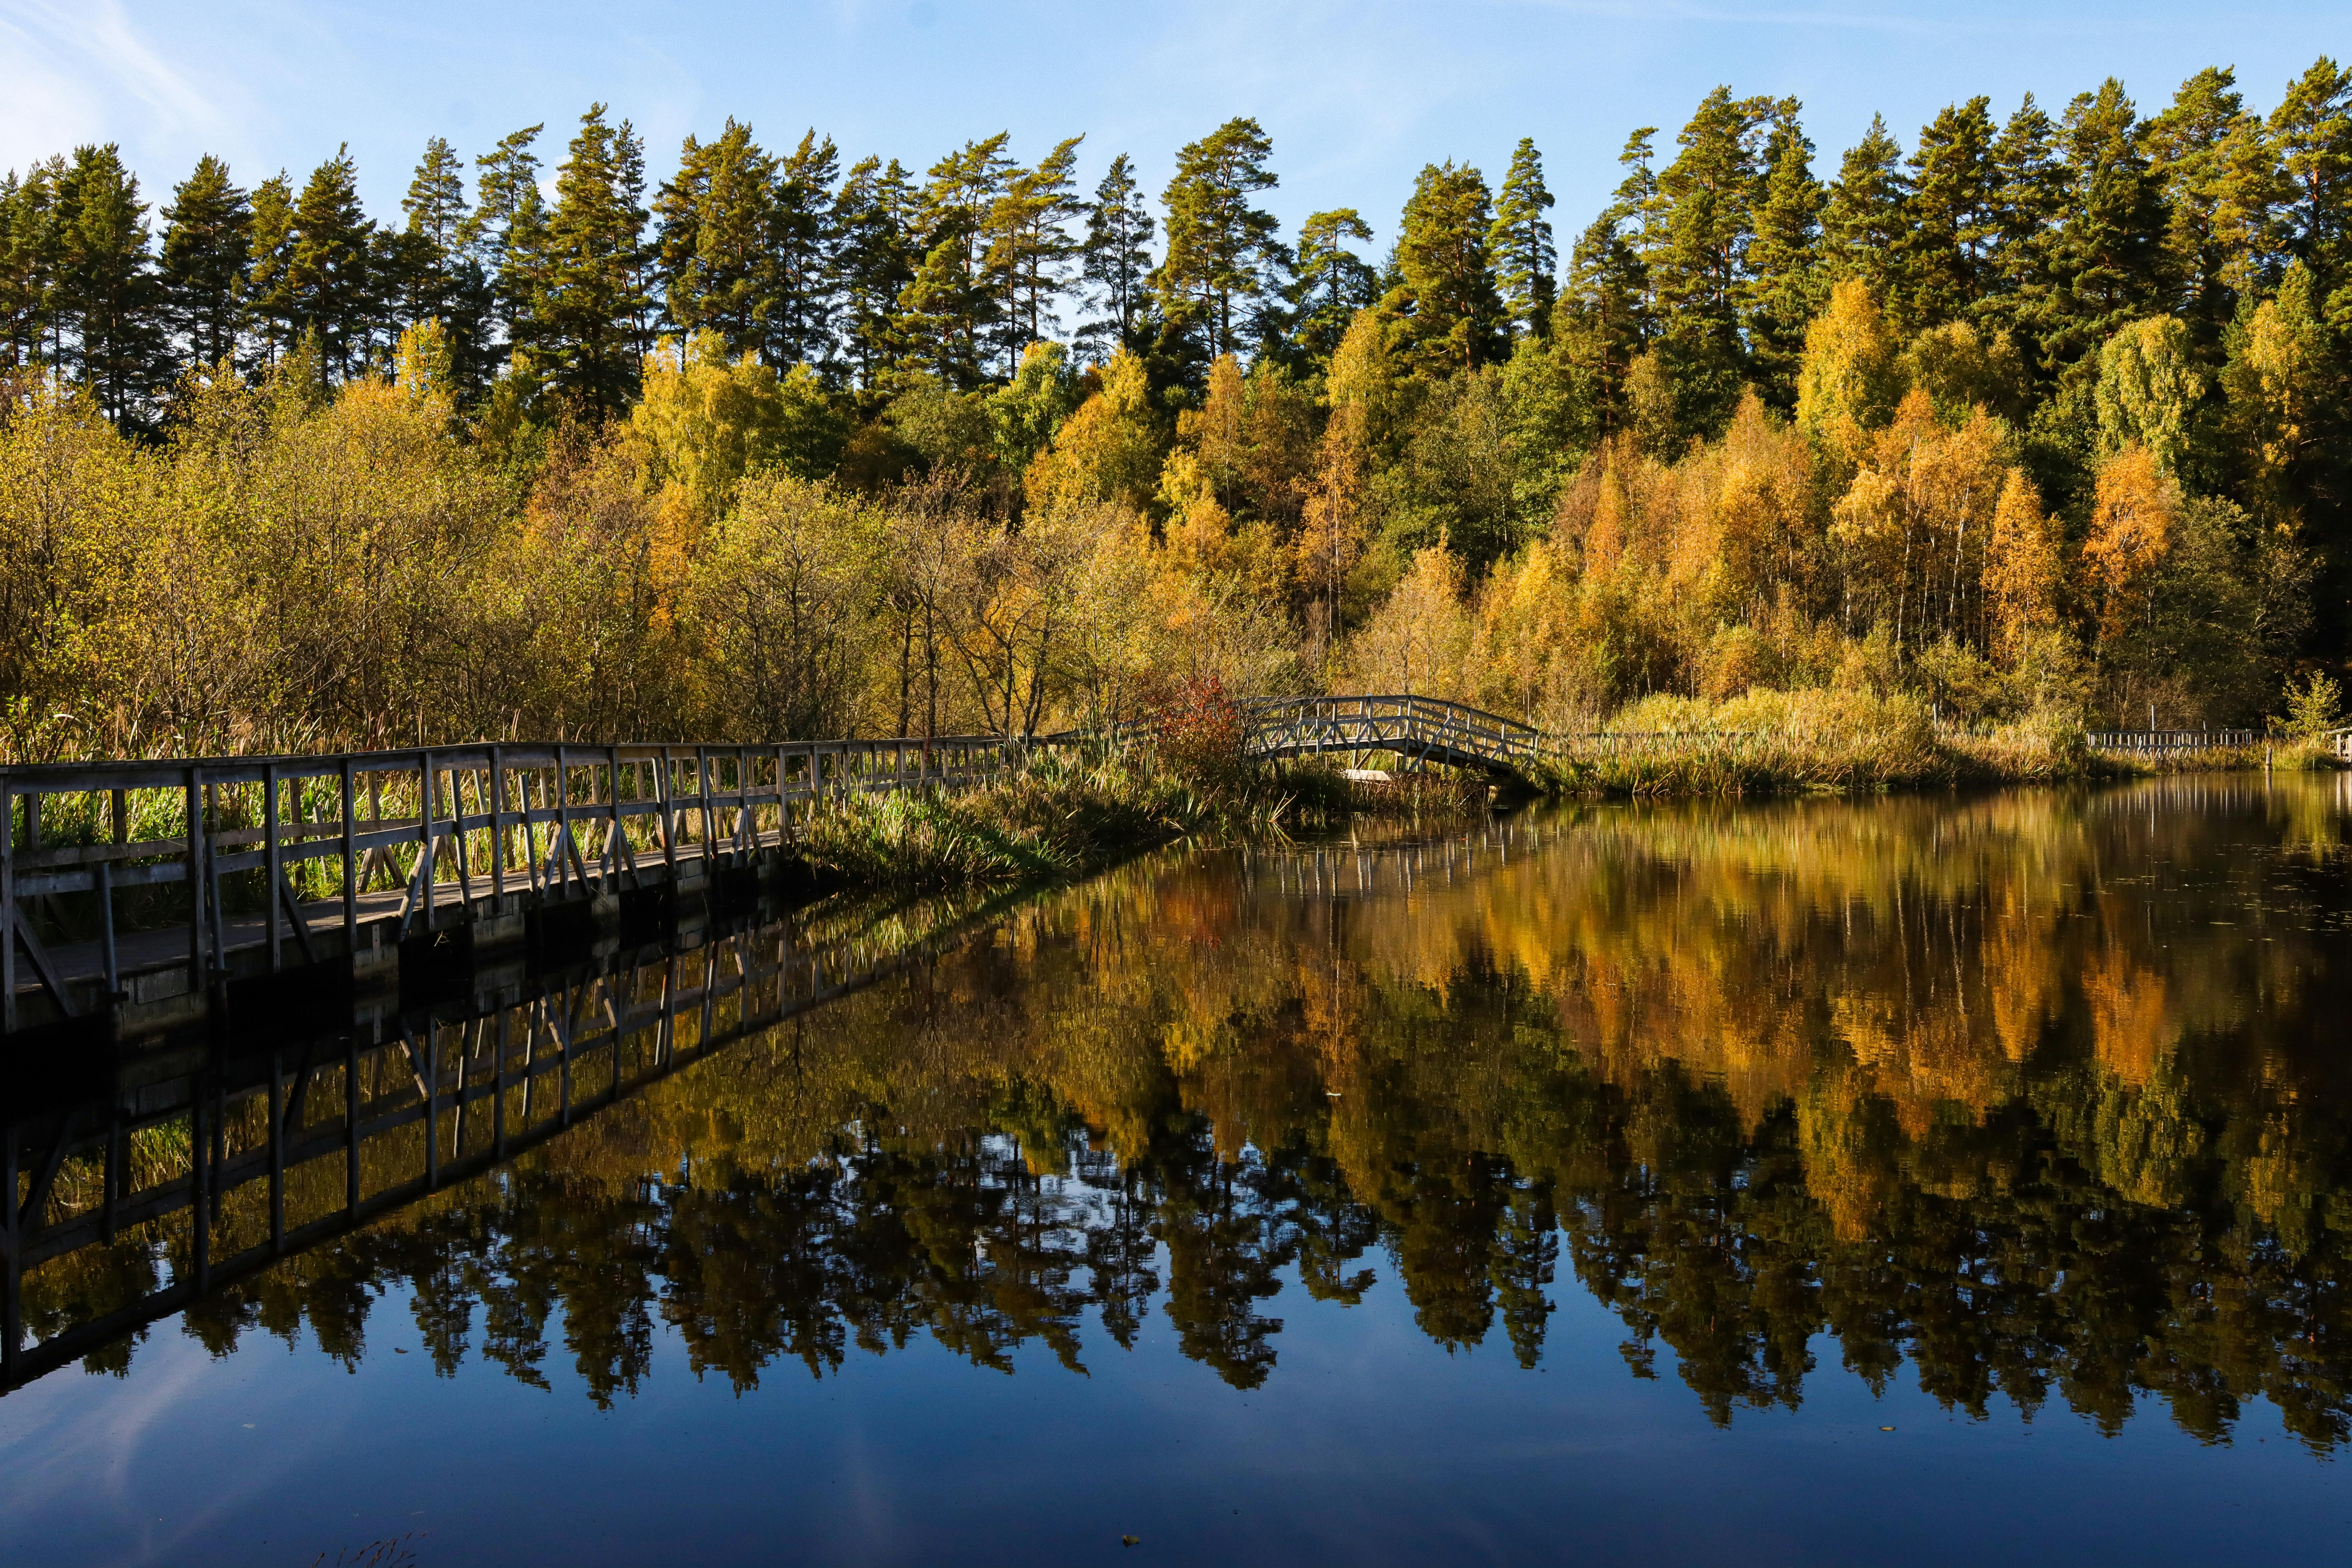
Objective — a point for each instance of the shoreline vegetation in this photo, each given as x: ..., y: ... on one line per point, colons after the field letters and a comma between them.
x: 1061, y: 816
x: 1784, y: 471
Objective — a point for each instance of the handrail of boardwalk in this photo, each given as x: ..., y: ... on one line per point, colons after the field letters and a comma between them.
x: 556, y: 822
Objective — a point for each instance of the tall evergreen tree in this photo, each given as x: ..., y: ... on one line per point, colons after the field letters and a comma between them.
x: 328, y: 276
x: 1030, y: 248
x: 592, y: 303
x: 440, y: 276
x: 1116, y: 262
x: 2312, y: 127
x: 1945, y: 257
x: 1218, y: 242
x: 2030, y: 190
x: 716, y: 233
x: 1451, y: 315
x: 952, y: 306
x: 1783, y: 287
x: 1527, y: 263
x: 510, y: 229
x: 270, y: 313
x: 1699, y: 259
x: 2221, y: 186
x: 206, y: 250
x: 1330, y: 282
x: 105, y: 287
x: 872, y: 263
x: 804, y: 241
x: 2110, y: 254
x: 1603, y: 321
x: 1865, y: 220
x: 29, y: 243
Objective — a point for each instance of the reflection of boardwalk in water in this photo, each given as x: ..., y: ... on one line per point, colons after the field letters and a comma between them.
x: 236, y: 1159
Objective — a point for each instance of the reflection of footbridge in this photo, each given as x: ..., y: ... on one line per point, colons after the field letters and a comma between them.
x: 175, y: 1173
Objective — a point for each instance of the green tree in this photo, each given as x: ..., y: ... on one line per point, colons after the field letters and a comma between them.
x: 1030, y: 248
x: 206, y: 251
x: 1218, y: 242
x: 2312, y: 128
x: 1697, y: 262
x: 440, y: 277
x: 510, y: 223
x: 951, y: 307
x: 872, y: 262
x: 1783, y: 287
x: 2220, y: 181
x: 29, y: 259
x: 1451, y: 316
x: 1865, y: 220
x: 804, y: 241
x: 2110, y: 254
x: 1330, y: 282
x: 1527, y: 262
x: 590, y: 300
x: 328, y: 276
x: 269, y: 305
x: 715, y: 232
x: 105, y: 288
x: 1947, y: 251
x: 2031, y: 191
x: 1117, y: 264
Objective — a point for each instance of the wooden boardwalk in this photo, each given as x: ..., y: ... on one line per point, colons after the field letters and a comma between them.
x: 112, y: 909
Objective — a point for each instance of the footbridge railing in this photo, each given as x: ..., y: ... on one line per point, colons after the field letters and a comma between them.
x: 1418, y: 728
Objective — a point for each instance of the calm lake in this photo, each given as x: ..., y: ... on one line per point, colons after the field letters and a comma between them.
x: 1948, y: 1179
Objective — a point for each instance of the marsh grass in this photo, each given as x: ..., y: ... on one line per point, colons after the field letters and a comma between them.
x: 1058, y: 816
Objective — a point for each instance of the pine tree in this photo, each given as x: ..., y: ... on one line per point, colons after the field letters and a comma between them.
x: 328, y: 276
x: 716, y: 233
x: 1698, y: 264
x: 1116, y: 262
x: 2110, y: 255
x: 1946, y: 252
x: 1603, y: 320
x: 1218, y: 242
x: 1784, y: 287
x: 592, y: 303
x: 440, y: 277
x: 952, y: 306
x: 206, y: 250
x: 105, y: 287
x: 1030, y: 248
x: 29, y: 243
x: 510, y: 227
x: 2312, y: 128
x: 2221, y: 185
x: 2030, y: 190
x: 1451, y: 315
x: 1865, y: 220
x: 269, y: 305
x: 804, y: 241
x: 1527, y: 263
x: 872, y: 263
x: 1330, y: 282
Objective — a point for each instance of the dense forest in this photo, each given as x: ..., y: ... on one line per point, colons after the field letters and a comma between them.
x: 2040, y: 417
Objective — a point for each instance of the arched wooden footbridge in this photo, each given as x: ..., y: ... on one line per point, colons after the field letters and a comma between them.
x: 1420, y: 730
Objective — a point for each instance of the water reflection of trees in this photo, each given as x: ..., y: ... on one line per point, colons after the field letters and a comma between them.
x: 2036, y: 1093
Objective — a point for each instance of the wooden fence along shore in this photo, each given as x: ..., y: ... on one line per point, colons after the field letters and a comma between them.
x: 113, y: 909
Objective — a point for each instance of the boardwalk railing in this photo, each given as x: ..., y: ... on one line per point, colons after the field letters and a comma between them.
x: 136, y: 889
x: 2171, y: 742
x: 1418, y: 728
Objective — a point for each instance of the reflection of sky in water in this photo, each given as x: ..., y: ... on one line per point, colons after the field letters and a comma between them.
x: 1842, y: 1032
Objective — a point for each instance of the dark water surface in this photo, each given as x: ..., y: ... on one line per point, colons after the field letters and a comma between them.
x: 1948, y: 1179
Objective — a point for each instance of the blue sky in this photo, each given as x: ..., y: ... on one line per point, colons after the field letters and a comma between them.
x: 1356, y: 98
